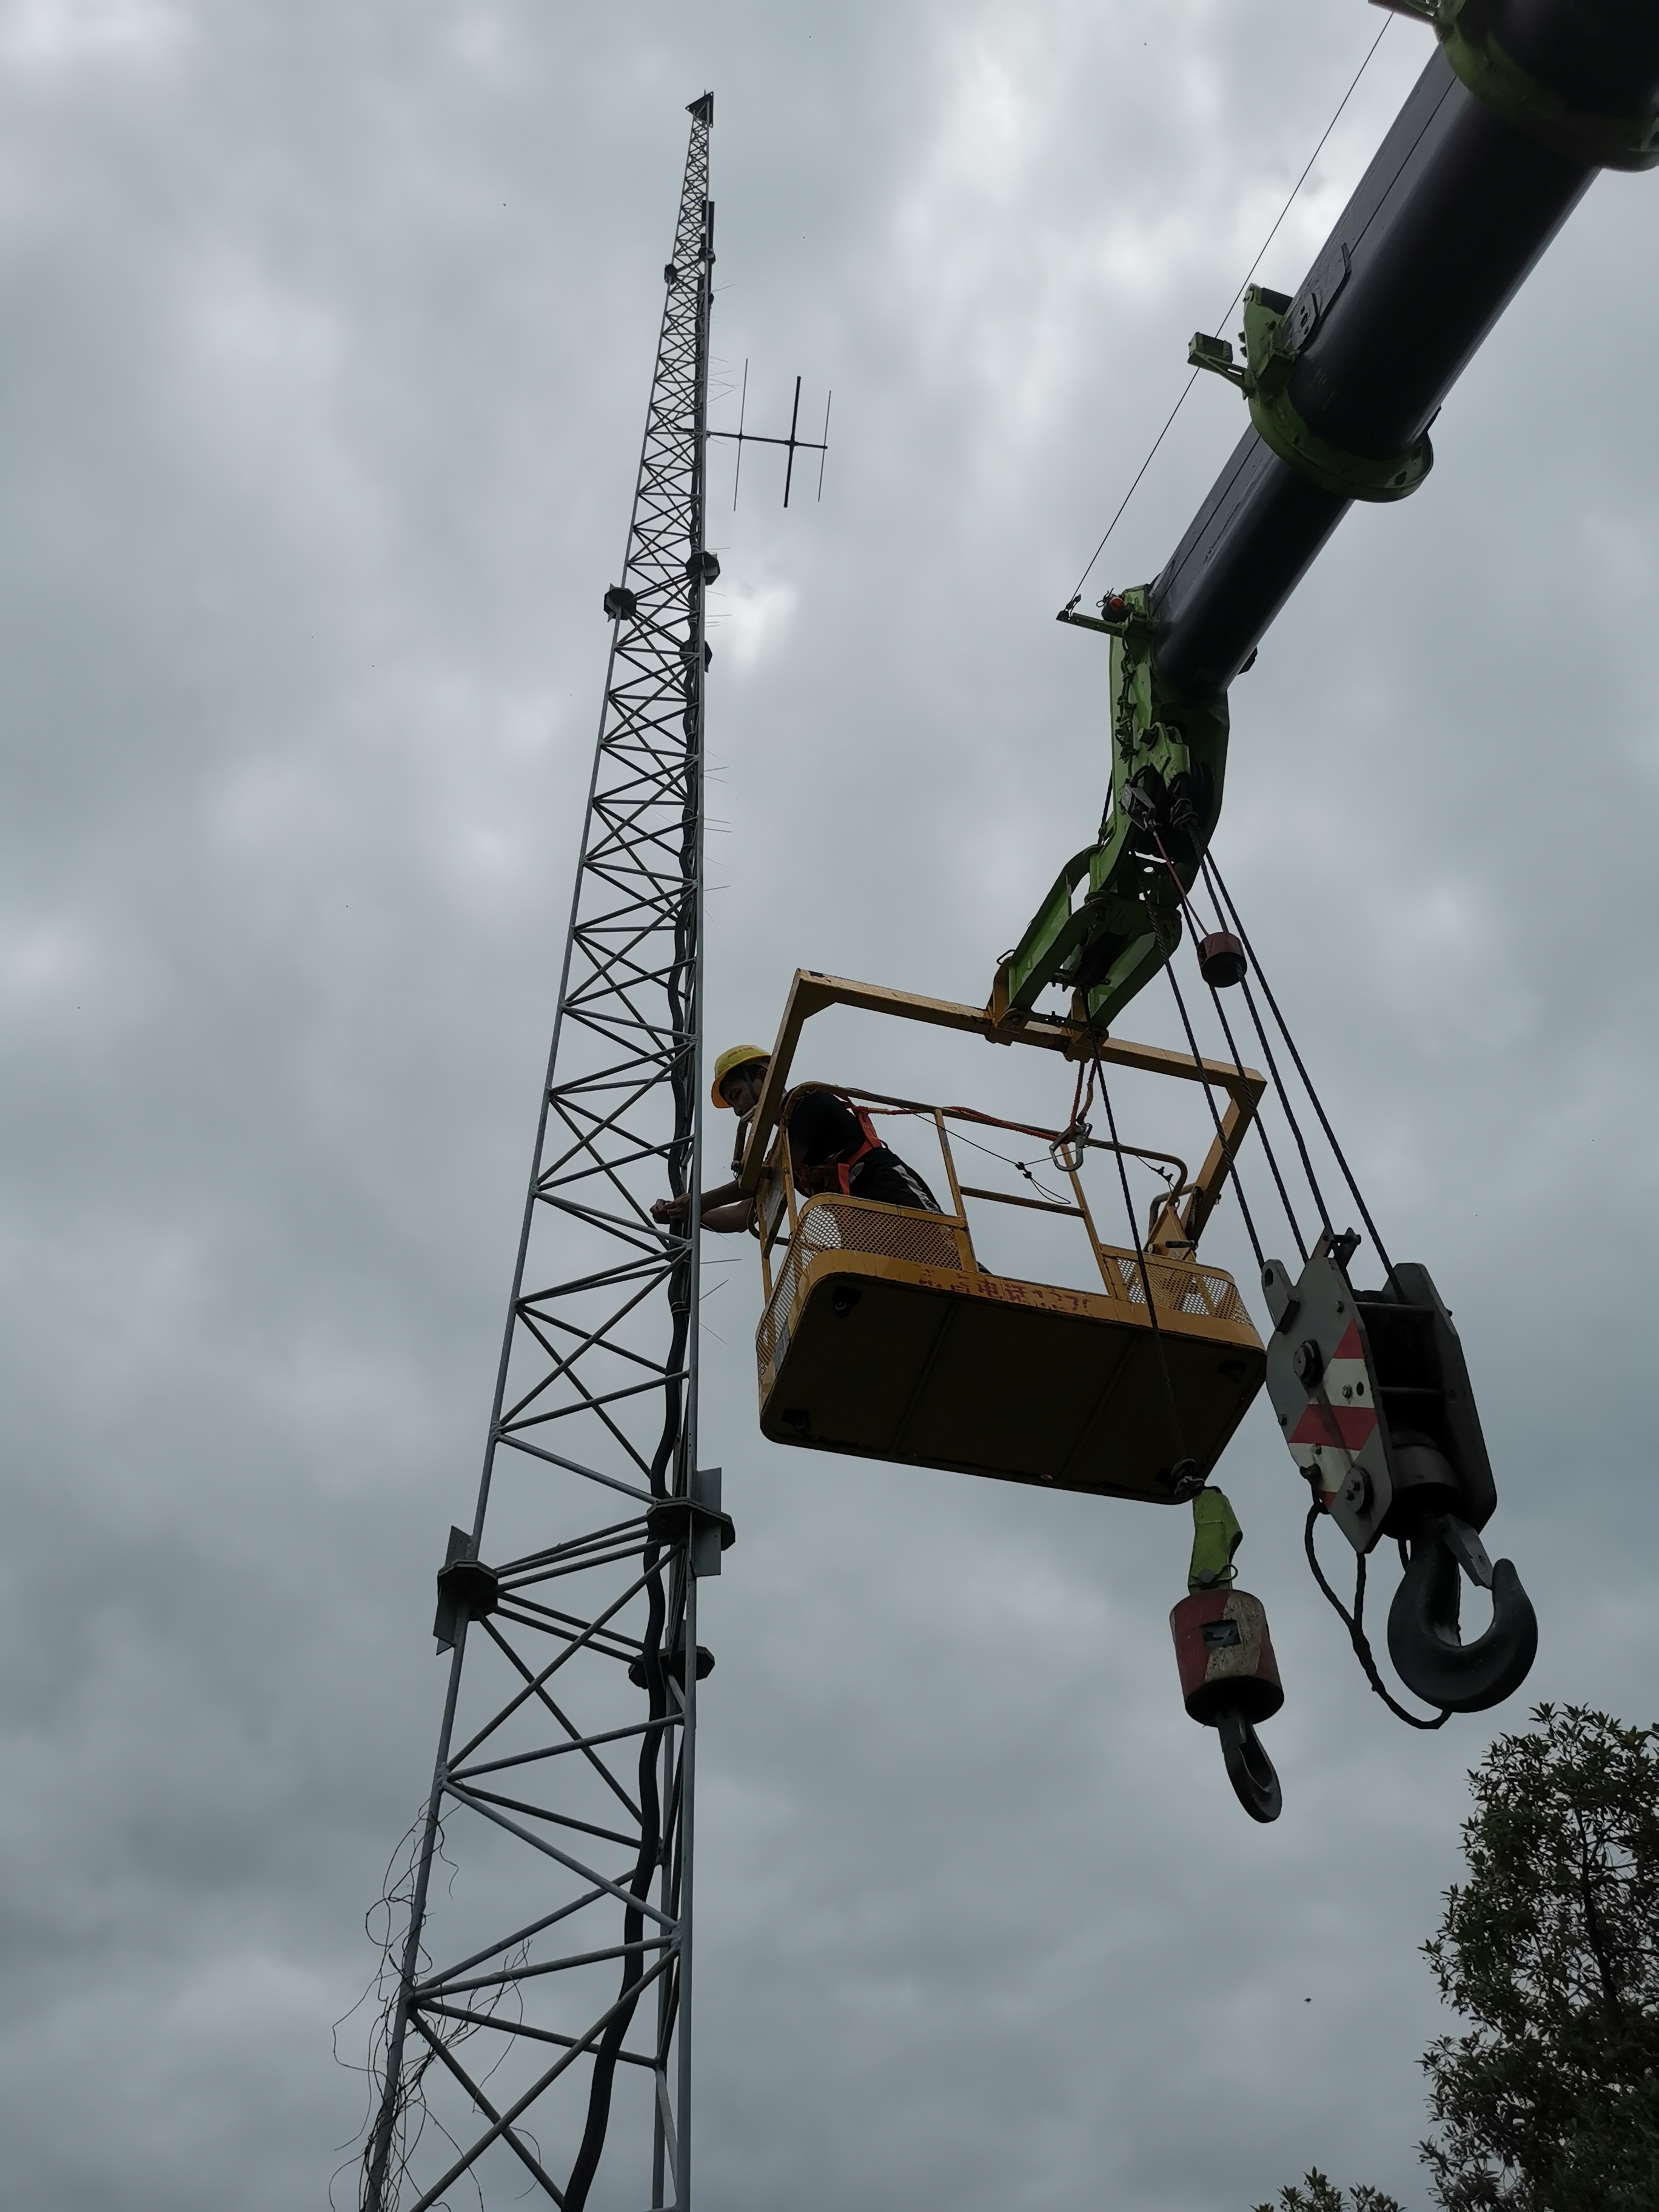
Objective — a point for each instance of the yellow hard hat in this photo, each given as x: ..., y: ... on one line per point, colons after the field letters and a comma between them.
x: 735, y: 1056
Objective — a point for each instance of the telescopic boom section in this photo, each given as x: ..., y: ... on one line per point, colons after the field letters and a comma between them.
x: 1500, y: 137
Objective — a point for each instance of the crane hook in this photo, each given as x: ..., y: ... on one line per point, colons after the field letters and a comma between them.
x: 1424, y: 1644
x: 1228, y: 1676
x: 1255, y: 1784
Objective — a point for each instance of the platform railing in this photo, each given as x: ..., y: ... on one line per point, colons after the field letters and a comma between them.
x: 807, y: 1227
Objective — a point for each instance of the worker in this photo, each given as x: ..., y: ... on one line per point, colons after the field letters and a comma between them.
x: 833, y: 1145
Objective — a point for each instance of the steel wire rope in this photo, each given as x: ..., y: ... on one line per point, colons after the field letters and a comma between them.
x: 1239, y: 1064
x: 1278, y: 222
x: 1221, y: 893
x: 1184, y: 1464
x: 1286, y: 1108
x: 1220, y: 1134
x: 1272, y: 1065
x: 1261, y: 1134
x: 1260, y: 1130
x: 1354, y: 1623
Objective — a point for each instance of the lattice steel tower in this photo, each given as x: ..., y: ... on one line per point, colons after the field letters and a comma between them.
x: 539, y: 1991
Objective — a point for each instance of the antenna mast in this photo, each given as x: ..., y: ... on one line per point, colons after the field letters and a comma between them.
x: 538, y: 1980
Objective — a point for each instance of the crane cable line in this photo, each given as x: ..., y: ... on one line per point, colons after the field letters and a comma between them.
x: 1220, y: 1132
x: 1185, y: 1475
x: 1222, y: 897
x: 1231, y: 304
x: 1352, y: 1620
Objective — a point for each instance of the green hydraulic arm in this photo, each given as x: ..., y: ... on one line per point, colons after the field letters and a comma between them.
x: 1113, y: 915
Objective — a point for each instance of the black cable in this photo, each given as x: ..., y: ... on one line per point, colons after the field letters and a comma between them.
x: 1354, y: 1623
x: 1220, y: 1134
x: 680, y: 982
x: 1140, y: 1256
x: 1220, y: 889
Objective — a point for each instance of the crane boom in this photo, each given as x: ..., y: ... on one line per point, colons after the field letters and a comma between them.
x: 1501, y: 135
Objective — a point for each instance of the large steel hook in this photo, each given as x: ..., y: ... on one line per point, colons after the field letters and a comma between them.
x: 1425, y: 1642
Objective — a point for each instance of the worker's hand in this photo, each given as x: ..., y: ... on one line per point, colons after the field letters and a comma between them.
x: 670, y: 1209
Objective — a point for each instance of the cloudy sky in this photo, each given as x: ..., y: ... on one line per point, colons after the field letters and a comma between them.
x: 328, y: 331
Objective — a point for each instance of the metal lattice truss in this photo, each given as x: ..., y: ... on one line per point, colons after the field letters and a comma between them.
x: 539, y: 1998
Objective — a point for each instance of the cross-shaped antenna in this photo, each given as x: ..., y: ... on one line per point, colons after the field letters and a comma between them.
x: 740, y: 438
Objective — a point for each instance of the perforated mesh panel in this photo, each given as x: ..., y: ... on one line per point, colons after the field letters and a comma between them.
x: 1182, y: 1289
x: 850, y: 1224
x: 897, y: 1232
x: 929, y: 1240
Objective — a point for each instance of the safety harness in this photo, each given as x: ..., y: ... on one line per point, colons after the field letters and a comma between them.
x: 872, y: 1142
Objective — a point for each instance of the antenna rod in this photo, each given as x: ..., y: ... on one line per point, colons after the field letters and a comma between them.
x: 788, y: 474
x: 795, y: 442
x: 743, y: 409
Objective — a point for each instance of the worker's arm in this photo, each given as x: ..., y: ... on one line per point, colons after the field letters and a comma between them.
x: 729, y: 1220
x: 726, y: 1209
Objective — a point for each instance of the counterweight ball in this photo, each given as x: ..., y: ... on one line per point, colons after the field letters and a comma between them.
x: 1221, y: 960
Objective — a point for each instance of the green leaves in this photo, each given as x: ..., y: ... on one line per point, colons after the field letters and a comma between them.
x: 1318, y: 2195
x: 1550, y: 2101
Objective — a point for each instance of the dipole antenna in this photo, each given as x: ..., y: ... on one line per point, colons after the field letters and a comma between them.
x: 536, y: 1999
x: 794, y: 443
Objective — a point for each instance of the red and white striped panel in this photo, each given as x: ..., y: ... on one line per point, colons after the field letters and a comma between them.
x: 1330, y: 1436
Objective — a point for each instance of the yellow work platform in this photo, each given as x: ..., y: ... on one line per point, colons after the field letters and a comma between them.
x: 883, y: 1335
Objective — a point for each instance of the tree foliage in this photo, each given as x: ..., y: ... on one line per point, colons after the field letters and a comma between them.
x: 1550, y: 2102
x: 1318, y: 2194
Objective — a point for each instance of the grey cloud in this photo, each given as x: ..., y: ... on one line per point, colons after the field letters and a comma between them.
x: 327, y: 340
